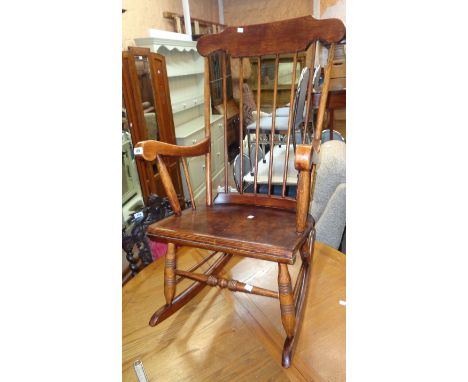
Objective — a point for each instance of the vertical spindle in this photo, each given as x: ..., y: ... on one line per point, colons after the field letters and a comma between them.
x: 189, y: 183
x: 310, y: 85
x: 257, y: 130
x: 226, y: 162
x: 241, y: 123
x: 290, y: 122
x: 273, y: 123
x: 207, y: 106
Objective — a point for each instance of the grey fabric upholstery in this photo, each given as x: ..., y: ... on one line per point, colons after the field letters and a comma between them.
x: 328, y: 206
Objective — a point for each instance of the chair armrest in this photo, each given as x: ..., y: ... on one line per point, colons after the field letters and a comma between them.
x: 149, y: 150
x: 303, y: 164
x: 303, y: 160
x: 153, y: 150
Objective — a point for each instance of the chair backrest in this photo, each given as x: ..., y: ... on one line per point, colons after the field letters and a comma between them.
x: 290, y: 38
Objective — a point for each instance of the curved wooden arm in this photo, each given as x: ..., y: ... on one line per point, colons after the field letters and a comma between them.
x: 151, y: 149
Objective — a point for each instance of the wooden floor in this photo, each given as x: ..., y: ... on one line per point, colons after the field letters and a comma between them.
x: 225, y: 336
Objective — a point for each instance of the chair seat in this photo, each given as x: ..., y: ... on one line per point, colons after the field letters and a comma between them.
x: 248, y: 230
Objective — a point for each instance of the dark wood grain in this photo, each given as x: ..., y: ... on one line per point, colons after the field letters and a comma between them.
x: 270, y: 233
x: 279, y: 37
x: 260, y: 200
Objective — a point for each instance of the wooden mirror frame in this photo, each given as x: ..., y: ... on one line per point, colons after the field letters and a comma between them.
x: 150, y: 180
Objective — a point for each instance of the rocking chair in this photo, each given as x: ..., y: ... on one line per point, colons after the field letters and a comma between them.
x: 261, y: 226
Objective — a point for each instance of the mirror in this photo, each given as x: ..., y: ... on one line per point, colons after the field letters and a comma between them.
x: 147, y: 97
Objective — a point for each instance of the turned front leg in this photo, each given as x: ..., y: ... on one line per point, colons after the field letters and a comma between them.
x: 169, y: 273
x: 286, y: 297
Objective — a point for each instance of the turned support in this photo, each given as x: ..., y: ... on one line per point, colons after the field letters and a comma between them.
x: 233, y: 285
x: 286, y: 297
x: 169, y: 273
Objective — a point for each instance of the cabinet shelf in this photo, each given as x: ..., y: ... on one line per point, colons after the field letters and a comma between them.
x: 173, y: 75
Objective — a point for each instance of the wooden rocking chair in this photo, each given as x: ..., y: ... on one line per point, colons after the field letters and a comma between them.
x: 261, y: 226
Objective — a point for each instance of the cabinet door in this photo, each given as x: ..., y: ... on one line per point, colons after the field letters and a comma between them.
x: 218, y: 153
x: 196, y: 167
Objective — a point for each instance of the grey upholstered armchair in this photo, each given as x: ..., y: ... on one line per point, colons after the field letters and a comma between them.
x: 328, y: 206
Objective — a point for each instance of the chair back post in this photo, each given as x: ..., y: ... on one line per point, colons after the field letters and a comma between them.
x: 207, y: 100
x: 323, y: 99
x: 290, y: 124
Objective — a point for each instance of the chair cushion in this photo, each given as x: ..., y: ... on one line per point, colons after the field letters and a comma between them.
x: 265, y: 124
x: 248, y: 230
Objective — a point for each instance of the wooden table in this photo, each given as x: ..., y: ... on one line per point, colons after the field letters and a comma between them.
x: 225, y: 336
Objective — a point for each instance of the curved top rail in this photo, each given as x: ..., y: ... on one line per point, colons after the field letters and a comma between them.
x: 287, y: 36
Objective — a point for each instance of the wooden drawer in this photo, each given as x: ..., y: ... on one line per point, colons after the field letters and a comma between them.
x: 194, y: 138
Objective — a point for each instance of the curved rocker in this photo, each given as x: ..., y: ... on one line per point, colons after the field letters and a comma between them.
x: 299, y: 294
x: 183, y: 298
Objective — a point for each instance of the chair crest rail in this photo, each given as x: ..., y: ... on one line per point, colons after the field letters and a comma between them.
x: 279, y: 37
